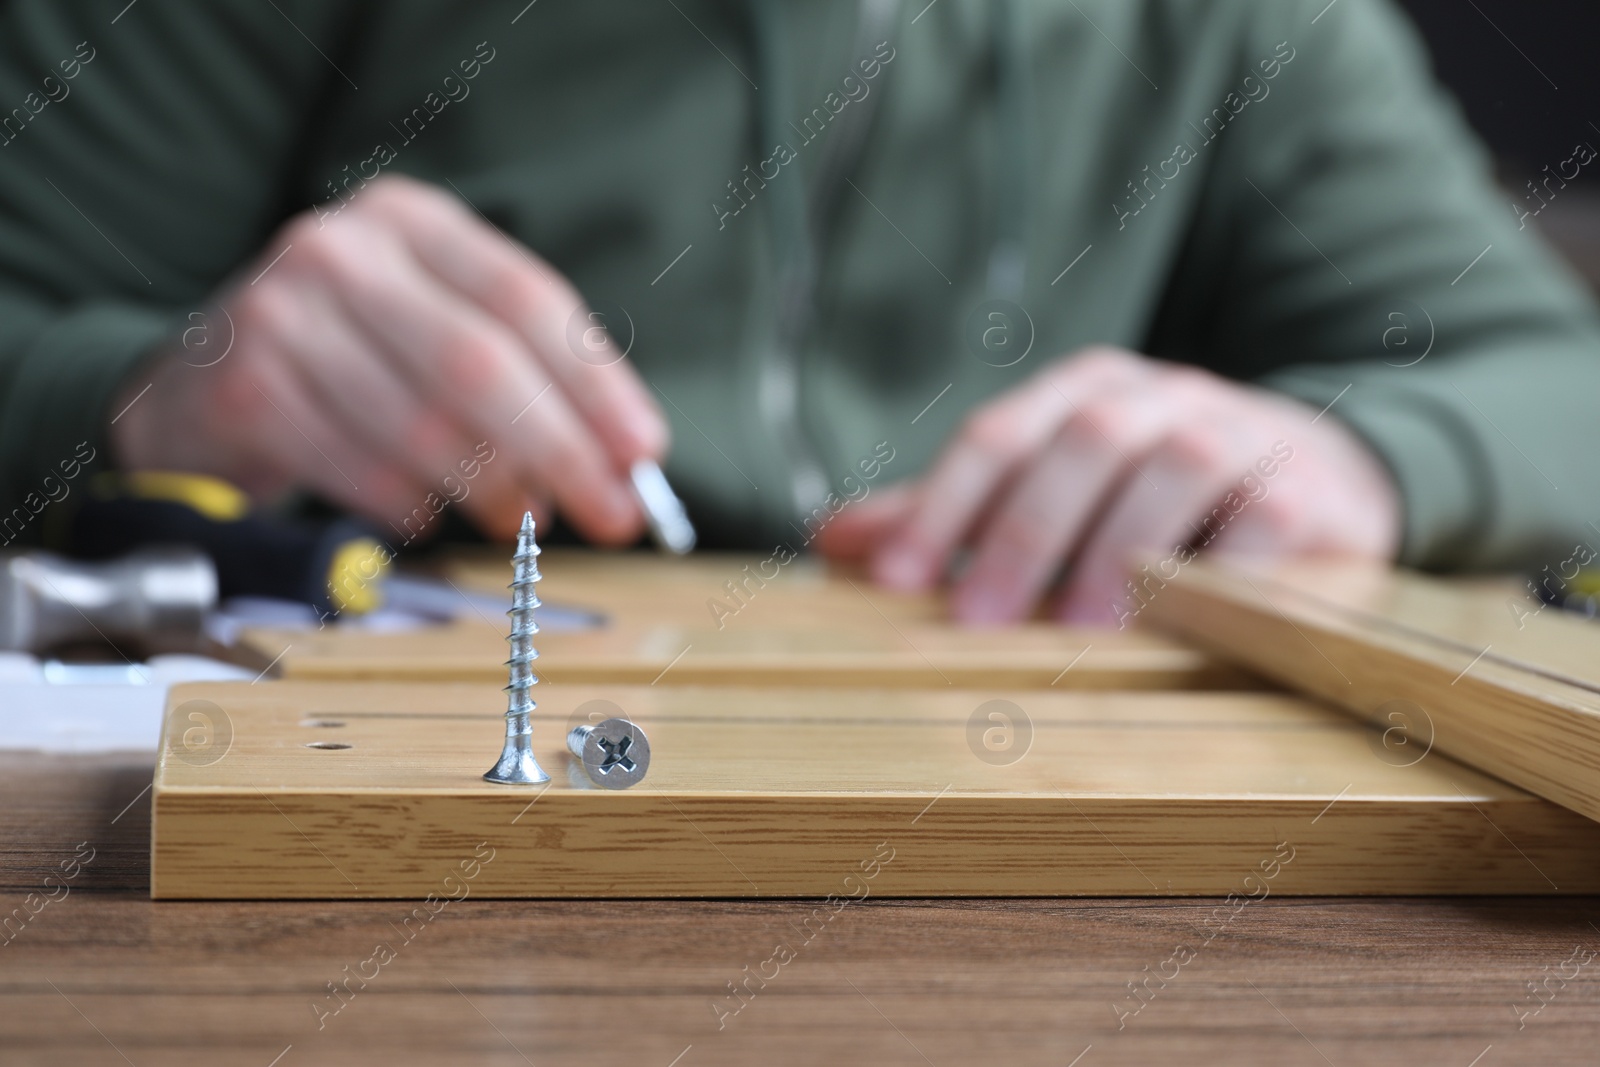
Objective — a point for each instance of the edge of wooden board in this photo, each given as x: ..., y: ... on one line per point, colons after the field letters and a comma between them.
x: 1531, y: 730
x: 815, y: 845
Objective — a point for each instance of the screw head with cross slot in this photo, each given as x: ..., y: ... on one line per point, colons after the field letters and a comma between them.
x: 614, y: 753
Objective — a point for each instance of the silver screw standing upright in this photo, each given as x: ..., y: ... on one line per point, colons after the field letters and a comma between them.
x: 614, y: 753
x: 517, y: 765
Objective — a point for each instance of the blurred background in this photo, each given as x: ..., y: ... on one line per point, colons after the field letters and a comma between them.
x: 1528, y: 79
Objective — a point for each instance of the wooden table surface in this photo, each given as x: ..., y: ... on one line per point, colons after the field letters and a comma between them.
x: 104, y: 975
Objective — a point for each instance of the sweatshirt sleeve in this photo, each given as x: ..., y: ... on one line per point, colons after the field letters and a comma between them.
x: 1369, y: 263
x: 144, y: 153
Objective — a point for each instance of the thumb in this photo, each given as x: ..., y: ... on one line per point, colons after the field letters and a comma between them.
x: 857, y: 531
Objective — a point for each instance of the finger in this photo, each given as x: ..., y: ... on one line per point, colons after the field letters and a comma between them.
x: 535, y: 301
x: 1040, y: 519
x: 972, y: 469
x: 481, y: 374
x: 1272, y: 526
x: 861, y: 528
x: 349, y: 376
x: 290, y: 430
x: 969, y: 473
x: 1187, y: 501
x: 1323, y: 494
x: 991, y: 445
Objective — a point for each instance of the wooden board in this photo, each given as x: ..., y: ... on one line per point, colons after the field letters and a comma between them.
x: 1462, y: 668
x: 680, y: 590
x: 806, y: 627
x: 766, y: 793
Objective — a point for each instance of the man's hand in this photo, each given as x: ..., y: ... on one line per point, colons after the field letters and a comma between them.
x: 371, y: 361
x: 1108, y: 456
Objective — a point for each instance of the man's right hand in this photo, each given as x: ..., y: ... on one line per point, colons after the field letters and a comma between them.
x: 372, y: 359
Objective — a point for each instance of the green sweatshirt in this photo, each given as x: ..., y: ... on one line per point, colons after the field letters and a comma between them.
x: 799, y: 215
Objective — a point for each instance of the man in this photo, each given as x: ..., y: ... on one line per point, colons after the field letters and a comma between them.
x: 822, y: 247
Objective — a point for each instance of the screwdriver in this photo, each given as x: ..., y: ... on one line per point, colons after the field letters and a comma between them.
x: 336, y: 567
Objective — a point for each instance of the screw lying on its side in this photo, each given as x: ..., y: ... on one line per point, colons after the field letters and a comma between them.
x: 614, y: 753
x: 669, y: 522
x: 517, y: 765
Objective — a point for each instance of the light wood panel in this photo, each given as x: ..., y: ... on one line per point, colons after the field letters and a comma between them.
x: 677, y: 590
x: 1452, y: 667
x: 805, y: 627
x: 1038, y: 656
x: 774, y: 793
x: 1497, y: 617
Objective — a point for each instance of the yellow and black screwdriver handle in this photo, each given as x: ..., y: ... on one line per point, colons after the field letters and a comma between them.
x: 336, y: 567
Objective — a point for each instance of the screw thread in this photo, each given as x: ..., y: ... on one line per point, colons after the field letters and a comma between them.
x: 517, y: 764
x: 524, y: 599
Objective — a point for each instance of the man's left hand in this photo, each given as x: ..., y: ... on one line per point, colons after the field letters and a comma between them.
x: 1106, y: 457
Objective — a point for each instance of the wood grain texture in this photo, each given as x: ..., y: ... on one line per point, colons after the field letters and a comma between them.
x: 109, y: 977
x: 1520, y: 702
x: 805, y: 627
x: 766, y: 793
